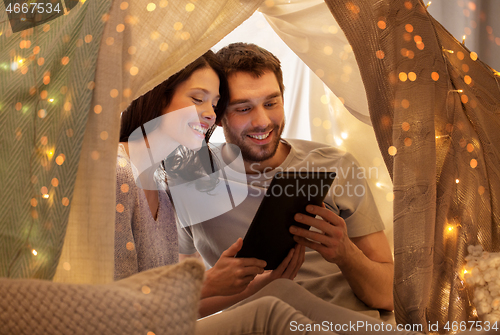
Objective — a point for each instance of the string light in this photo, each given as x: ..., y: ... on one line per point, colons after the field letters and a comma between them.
x: 462, y: 273
x: 428, y: 4
x: 51, y: 100
x: 34, y: 252
x: 457, y: 91
x: 463, y: 40
x: 457, y: 181
x: 45, y: 196
x: 449, y: 51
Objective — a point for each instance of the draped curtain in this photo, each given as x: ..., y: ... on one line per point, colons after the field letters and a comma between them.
x: 435, y: 110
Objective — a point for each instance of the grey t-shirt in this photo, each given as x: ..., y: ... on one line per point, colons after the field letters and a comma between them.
x: 349, y: 197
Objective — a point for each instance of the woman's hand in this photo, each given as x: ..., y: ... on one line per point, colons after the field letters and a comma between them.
x: 231, y: 275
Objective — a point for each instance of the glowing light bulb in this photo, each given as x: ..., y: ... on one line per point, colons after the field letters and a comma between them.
x: 45, y: 196
x: 462, y: 273
x: 428, y: 4
x: 34, y: 252
x: 20, y: 61
x: 51, y: 100
x: 378, y: 184
x: 463, y: 39
x: 457, y: 181
x: 344, y: 135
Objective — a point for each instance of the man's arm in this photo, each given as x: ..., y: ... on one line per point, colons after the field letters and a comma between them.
x: 365, y: 261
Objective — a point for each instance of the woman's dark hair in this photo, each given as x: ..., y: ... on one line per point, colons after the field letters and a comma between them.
x: 150, y: 105
x: 183, y: 163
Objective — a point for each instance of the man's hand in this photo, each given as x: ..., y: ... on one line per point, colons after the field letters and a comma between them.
x: 287, y: 269
x: 231, y: 275
x: 333, y: 244
x: 365, y: 261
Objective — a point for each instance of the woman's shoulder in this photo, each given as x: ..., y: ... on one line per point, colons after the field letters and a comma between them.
x: 123, y: 166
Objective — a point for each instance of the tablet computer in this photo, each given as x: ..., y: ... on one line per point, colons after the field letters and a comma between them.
x: 268, y: 237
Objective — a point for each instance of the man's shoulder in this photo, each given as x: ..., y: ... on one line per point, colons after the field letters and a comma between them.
x: 304, y: 148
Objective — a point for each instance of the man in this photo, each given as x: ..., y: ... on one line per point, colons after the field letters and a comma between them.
x: 351, y: 236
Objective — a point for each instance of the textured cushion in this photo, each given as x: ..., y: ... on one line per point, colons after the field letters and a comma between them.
x: 162, y: 300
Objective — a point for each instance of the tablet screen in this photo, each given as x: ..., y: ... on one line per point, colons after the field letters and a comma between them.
x: 268, y: 237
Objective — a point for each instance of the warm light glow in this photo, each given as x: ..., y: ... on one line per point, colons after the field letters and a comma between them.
x: 462, y: 273
x: 428, y: 4
x: 34, y: 252
x: 344, y: 135
x: 449, y: 51
x: 463, y: 39
x: 51, y: 100
x: 378, y: 184
x: 392, y: 150
x: 45, y: 196
x: 457, y: 181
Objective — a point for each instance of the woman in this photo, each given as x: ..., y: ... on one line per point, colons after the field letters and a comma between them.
x: 146, y: 235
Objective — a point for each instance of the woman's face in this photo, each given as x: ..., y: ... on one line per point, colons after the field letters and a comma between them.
x: 191, y: 111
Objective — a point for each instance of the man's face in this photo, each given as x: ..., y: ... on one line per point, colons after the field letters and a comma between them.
x: 255, y: 118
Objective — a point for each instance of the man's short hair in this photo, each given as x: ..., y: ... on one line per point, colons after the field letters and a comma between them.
x: 250, y: 58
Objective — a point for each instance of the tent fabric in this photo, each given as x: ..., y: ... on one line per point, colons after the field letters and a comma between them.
x: 46, y: 87
x: 312, y: 33
x: 435, y: 109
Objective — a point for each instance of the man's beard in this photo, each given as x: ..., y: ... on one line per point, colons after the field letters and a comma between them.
x: 255, y: 153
